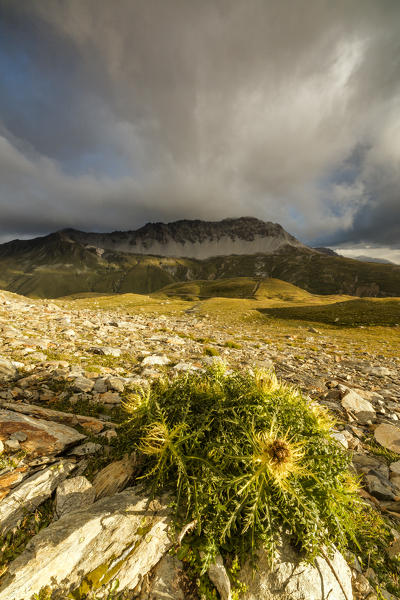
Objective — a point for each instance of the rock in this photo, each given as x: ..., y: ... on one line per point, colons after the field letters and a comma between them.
x: 219, y: 577
x: 341, y: 438
x: 395, y: 467
x: 83, y: 384
x: 379, y: 487
x: 388, y: 436
x: 165, y: 581
x: 291, y: 579
x: 377, y: 371
x: 110, y: 398
x: 116, y: 383
x: 362, y: 409
x: 7, y: 369
x: 74, y: 494
x: 85, y: 449
x: 90, y: 423
x: 43, y: 437
x: 19, y: 435
x: 12, y: 444
x: 121, y: 537
x: 394, y: 549
x: 31, y: 493
x: 153, y: 360
x: 1, y: 447
x: 115, y: 476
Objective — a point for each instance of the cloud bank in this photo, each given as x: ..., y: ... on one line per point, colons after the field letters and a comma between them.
x: 116, y: 113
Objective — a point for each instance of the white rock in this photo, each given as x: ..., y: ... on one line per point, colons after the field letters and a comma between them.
x: 7, y: 369
x: 291, y: 579
x: 122, y: 533
x: 165, y: 581
x: 31, y: 493
x: 219, y: 577
x: 151, y: 361
x: 356, y: 404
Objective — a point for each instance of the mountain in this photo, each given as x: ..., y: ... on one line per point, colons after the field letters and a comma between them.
x: 70, y: 262
x: 328, y: 251
x: 193, y: 239
x: 371, y: 259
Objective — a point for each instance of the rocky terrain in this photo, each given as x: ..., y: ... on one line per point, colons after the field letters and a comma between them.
x: 72, y: 515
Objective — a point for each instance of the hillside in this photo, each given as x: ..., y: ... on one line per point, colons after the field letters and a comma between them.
x: 57, y: 265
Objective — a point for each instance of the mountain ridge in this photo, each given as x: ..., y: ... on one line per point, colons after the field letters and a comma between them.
x: 70, y: 262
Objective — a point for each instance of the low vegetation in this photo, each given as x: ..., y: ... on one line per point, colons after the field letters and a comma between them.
x: 246, y: 458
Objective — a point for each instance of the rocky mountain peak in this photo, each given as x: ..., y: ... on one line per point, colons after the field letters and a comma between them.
x: 195, y: 238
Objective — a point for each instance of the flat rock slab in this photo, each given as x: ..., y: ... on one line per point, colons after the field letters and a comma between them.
x: 58, y: 416
x: 120, y: 537
x: 43, y: 437
x: 291, y: 579
x: 388, y: 436
x: 31, y: 493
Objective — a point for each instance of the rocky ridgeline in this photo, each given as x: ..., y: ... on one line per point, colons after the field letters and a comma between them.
x: 63, y: 375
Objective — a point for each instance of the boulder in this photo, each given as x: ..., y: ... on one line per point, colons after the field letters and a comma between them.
x: 289, y: 578
x: 31, y: 493
x: 43, y: 437
x: 121, y: 537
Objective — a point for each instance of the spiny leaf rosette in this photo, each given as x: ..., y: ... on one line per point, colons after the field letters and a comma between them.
x: 246, y: 457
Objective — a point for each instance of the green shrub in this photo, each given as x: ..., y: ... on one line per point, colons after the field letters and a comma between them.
x: 245, y: 457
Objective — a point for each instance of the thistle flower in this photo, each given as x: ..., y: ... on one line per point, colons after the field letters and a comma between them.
x: 278, y: 456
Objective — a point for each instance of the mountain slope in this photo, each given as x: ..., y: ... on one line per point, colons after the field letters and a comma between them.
x: 58, y: 265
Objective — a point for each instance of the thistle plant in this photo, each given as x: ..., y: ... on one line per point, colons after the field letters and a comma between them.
x: 246, y: 458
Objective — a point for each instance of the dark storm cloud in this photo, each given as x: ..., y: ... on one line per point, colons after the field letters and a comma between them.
x: 115, y: 113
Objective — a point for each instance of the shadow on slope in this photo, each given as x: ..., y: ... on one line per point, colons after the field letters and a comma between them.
x: 360, y: 311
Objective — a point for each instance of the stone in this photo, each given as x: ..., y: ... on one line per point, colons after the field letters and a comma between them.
x: 341, y: 438
x: 74, y: 494
x: 115, y: 476
x: 110, y: 398
x: 291, y: 579
x: 153, y: 360
x: 377, y: 371
x: 31, y: 493
x: 388, y: 436
x: 43, y: 437
x: 395, y: 467
x: 121, y: 537
x: 1, y: 447
x: 12, y: 444
x: 357, y: 405
x: 19, y: 435
x: 85, y: 449
x: 83, y: 384
x: 219, y: 577
x: 7, y: 369
x: 116, y: 383
x: 165, y: 581
x: 90, y: 423
x: 378, y: 487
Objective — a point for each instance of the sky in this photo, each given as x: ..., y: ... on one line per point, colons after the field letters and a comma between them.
x: 114, y: 113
